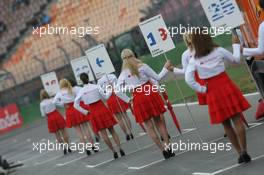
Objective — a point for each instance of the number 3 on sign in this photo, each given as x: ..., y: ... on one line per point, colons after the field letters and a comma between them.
x: 163, y: 34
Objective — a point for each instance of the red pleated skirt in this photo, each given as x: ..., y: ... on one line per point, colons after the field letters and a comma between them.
x: 117, y: 105
x: 224, y: 98
x: 260, y: 110
x: 73, y: 116
x: 87, y: 117
x: 147, y: 105
x: 102, y: 117
x: 55, y: 121
x: 200, y: 96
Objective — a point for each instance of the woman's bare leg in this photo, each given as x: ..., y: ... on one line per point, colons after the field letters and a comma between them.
x: 65, y: 136
x: 230, y: 132
x: 79, y: 133
x: 115, y: 137
x: 121, y: 122
x: 128, y: 122
x: 240, y: 131
x: 162, y: 129
x: 107, y: 140
x: 153, y: 134
x: 87, y: 132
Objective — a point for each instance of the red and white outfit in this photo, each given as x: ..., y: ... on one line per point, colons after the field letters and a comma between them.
x: 118, y: 101
x: 54, y: 118
x: 223, y: 97
x: 101, y: 116
x: 73, y: 116
x: 87, y: 117
x: 147, y: 102
x: 186, y: 57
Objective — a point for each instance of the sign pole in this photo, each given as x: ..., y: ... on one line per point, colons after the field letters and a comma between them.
x: 159, y: 41
x: 187, y: 106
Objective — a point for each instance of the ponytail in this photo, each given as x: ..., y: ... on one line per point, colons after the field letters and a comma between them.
x: 65, y: 84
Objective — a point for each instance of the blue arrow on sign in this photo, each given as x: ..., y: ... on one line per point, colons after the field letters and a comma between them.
x: 99, y: 62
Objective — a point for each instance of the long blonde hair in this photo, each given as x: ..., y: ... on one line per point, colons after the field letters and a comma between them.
x: 187, y: 40
x: 130, y: 62
x: 65, y: 84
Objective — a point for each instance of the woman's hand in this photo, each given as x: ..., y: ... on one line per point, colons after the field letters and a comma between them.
x: 235, y: 39
x: 168, y: 65
x: 131, y: 103
x: 241, y: 49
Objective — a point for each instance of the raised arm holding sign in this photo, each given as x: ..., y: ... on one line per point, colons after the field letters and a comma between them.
x: 159, y: 41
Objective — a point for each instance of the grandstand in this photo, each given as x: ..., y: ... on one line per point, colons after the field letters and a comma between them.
x: 25, y: 55
x: 36, y: 55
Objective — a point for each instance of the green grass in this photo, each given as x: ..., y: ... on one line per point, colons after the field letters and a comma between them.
x: 31, y: 112
x: 175, y: 54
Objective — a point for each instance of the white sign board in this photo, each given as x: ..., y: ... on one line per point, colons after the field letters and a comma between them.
x: 156, y: 35
x: 100, y: 61
x: 50, y: 83
x: 222, y: 13
x: 81, y: 65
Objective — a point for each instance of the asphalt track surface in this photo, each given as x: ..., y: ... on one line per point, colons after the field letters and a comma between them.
x: 143, y: 157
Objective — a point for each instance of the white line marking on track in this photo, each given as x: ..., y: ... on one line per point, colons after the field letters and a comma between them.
x: 158, y: 161
x: 66, y: 163
x: 188, y: 130
x: 142, y: 134
x: 155, y: 162
x: 255, y: 124
x: 110, y: 160
x: 227, y: 168
x: 144, y: 166
x: 185, y: 131
x: 93, y: 166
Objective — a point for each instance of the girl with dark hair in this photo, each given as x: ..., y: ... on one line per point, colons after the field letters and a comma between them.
x: 86, y: 125
x: 225, y: 101
x: 102, y: 119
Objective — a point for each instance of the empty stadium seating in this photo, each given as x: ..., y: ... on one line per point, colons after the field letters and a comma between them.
x: 54, y: 51
x: 80, y: 13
